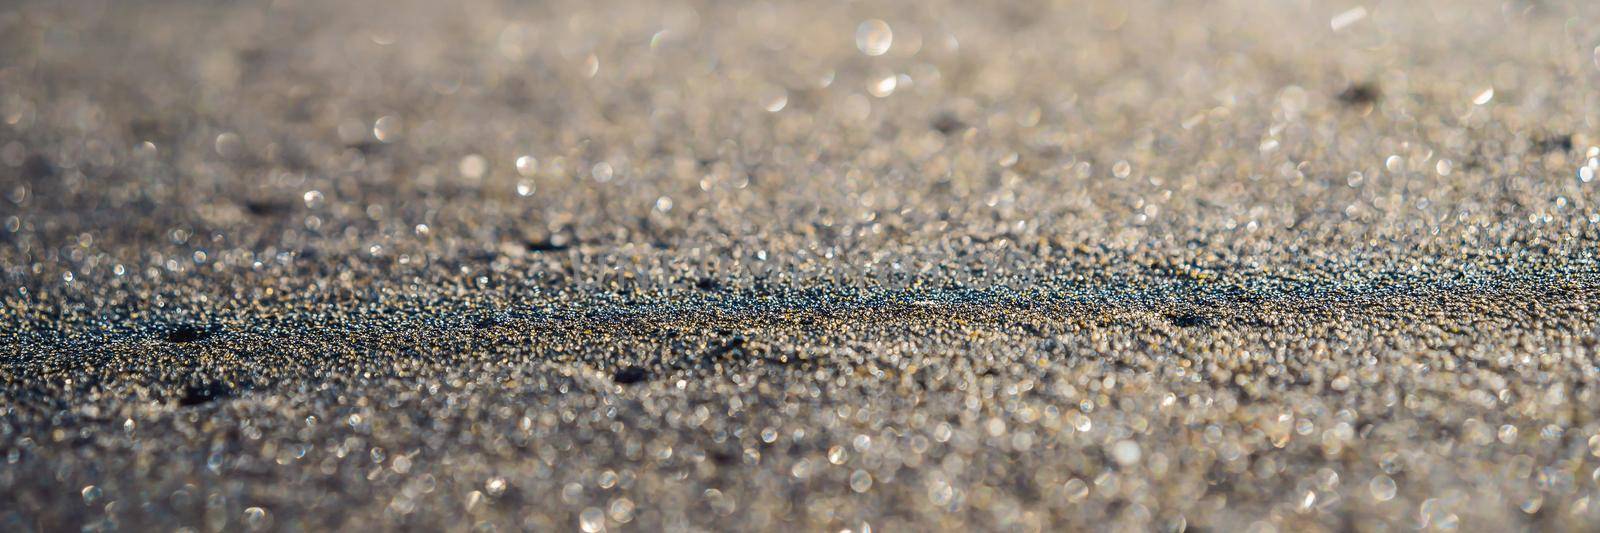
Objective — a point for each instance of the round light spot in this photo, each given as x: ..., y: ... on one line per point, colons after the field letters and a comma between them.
x: 873, y: 37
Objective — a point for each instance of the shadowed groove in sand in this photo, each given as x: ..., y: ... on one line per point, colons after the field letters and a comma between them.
x: 182, y: 326
x: 728, y: 325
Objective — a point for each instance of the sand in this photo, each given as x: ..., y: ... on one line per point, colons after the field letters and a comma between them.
x: 1136, y: 265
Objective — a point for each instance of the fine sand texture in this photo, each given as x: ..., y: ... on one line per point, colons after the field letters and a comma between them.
x: 602, y: 265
